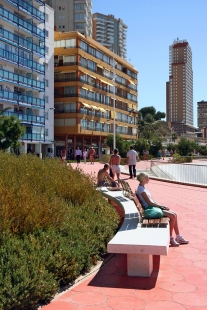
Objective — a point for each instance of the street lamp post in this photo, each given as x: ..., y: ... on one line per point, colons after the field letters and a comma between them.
x: 114, y: 97
x: 40, y: 144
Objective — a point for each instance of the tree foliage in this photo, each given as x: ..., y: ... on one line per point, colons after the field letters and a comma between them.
x: 121, y: 144
x: 10, y: 132
x: 147, y: 110
x: 185, y: 147
x: 141, y: 145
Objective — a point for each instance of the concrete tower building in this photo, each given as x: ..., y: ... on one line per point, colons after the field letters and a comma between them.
x: 73, y: 15
x: 27, y: 70
x: 110, y: 32
x: 179, y: 89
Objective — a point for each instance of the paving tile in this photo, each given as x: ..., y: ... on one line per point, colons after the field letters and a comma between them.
x: 163, y: 305
x: 178, y: 281
x: 123, y: 303
x: 191, y: 299
x: 88, y: 298
x: 178, y: 286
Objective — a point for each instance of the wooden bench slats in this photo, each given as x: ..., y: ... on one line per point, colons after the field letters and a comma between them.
x: 129, y: 194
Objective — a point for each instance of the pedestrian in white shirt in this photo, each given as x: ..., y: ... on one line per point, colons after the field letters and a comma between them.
x: 131, y: 161
x: 78, y: 154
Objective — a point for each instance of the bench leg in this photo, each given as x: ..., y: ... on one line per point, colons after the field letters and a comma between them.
x: 139, y: 265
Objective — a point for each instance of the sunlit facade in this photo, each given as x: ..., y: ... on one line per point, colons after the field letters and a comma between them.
x: 26, y: 71
x: 85, y: 103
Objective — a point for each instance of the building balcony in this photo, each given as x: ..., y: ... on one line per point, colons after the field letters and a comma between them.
x: 21, y: 99
x: 17, y: 41
x: 21, y: 23
x: 33, y: 136
x: 22, y: 62
x: 21, y: 80
x: 28, y: 8
x: 26, y: 118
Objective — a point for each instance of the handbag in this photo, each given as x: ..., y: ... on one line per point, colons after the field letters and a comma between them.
x: 153, y: 212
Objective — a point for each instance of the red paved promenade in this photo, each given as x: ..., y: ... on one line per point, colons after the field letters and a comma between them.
x: 179, y: 280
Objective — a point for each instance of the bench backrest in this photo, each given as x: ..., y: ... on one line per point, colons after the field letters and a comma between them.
x: 126, y: 187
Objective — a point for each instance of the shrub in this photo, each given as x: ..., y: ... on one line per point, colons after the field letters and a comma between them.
x: 105, y: 158
x: 51, y: 228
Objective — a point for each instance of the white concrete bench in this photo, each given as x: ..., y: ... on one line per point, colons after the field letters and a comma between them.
x: 138, y: 242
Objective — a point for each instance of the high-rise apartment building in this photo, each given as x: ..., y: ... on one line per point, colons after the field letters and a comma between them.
x: 179, y: 89
x: 95, y: 94
x: 202, y: 116
x: 27, y: 70
x: 73, y: 15
x: 110, y: 32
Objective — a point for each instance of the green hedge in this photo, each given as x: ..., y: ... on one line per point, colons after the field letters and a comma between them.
x: 53, y: 227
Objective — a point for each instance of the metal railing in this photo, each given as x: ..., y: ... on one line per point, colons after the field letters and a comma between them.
x: 26, y: 118
x: 194, y: 172
x: 30, y: 9
x: 23, y: 62
x: 16, y: 20
x: 15, y: 40
x: 19, y: 98
x: 21, y: 80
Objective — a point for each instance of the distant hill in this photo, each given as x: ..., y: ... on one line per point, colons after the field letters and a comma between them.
x: 159, y: 128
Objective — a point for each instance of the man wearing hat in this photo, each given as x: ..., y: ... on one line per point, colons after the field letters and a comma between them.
x: 115, y: 164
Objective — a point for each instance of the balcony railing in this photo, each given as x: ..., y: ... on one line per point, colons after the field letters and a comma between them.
x: 15, y: 40
x: 33, y: 137
x: 19, y: 98
x: 18, y: 21
x: 28, y: 8
x: 26, y: 118
x: 21, y: 80
x: 23, y: 62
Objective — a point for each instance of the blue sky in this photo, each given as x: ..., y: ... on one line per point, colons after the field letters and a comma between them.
x: 152, y: 27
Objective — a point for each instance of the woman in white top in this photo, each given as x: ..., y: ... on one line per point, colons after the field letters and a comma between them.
x: 85, y: 155
x: 147, y: 200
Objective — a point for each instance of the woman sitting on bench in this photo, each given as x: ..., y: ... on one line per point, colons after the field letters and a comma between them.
x: 147, y: 201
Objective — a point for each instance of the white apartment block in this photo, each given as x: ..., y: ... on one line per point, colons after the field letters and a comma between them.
x: 27, y: 71
x: 73, y: 15
x: 179, y: 101
x: 110, y: 32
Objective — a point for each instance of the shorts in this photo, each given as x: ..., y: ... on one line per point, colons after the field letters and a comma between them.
x: 116, y: 169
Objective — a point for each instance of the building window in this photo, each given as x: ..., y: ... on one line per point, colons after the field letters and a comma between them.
x: 70, y: 91
x: 70, y: 43
x: 79, y: 16
x: 46, y: 17
x: 46, y: 132
x: 83, y: 46
x: 80, y: 26
x: 46, y: 33
x: 46, y: 49
x: 91, y: 65
x: 79, y: 6
x: 46, y: 82
x: 46, y: 99
x: 99, y: 55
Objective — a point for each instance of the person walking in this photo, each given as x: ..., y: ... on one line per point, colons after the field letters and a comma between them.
x: 85, y: 154
x: 131, y: 162
x: 63, y: 155
x: 78, y: 154
x: 92, y: 154
x: 115, y: 164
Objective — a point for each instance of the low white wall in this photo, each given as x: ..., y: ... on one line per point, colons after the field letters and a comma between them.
x: 180, y: 172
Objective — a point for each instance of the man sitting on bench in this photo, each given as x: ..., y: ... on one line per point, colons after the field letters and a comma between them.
x: 102, y: 174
